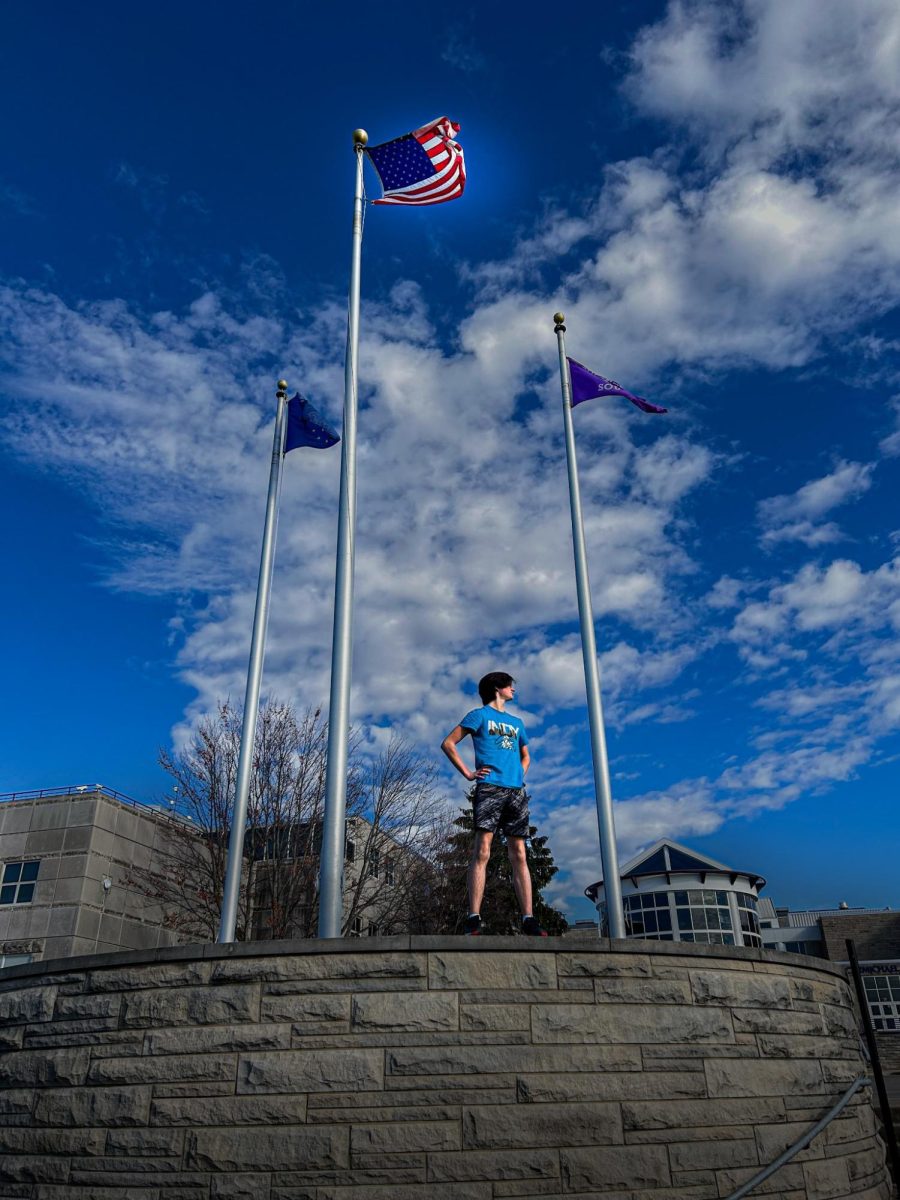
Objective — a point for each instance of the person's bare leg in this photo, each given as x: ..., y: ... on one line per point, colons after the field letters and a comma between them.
x: 481, y: 852
x: 515, y: 848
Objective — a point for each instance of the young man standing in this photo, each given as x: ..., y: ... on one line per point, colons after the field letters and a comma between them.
x: 500, y: 802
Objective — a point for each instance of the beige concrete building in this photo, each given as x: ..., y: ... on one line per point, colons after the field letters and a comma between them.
x: 67, y: 859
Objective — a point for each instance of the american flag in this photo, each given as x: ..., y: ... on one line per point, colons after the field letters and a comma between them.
x: 422, y: 167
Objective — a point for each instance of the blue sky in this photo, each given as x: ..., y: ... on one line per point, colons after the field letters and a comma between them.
x: 708, y: 190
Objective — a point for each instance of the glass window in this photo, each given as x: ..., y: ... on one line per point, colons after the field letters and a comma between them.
x: 17, y: 885
x: 374, y: 864
x: 389, y: 876
x: 883, y: 995
x: 349, y: 850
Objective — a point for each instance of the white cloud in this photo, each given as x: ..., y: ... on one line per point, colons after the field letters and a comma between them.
x: 797, y: 517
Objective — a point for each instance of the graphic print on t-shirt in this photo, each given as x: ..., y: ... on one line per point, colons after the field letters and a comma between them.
x: 507, y: 734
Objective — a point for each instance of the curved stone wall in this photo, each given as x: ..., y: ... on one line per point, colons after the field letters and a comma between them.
x: 451, y: 1068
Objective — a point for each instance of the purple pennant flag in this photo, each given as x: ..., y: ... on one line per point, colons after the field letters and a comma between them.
x: 586, y: 385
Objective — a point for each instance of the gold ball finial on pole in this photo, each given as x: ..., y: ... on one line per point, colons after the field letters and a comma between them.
x: 559, y: 320
x: 360, y: 137
x: 282, y: 385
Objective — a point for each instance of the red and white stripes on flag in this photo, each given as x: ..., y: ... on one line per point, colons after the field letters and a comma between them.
x: 422, y: 167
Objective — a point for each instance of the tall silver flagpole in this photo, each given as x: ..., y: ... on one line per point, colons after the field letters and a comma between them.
x: 608, y: 853
x: 331, y: 862
x: 230, y: 894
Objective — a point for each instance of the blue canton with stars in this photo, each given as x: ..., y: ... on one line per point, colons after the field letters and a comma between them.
x: 401, y: 163
x: 307, y: 427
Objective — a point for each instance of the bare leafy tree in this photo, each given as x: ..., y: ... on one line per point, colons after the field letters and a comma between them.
x: 392, y: 809
x: 391, y: 837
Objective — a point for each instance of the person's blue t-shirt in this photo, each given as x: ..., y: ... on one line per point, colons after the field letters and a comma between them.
x: 497, y: 736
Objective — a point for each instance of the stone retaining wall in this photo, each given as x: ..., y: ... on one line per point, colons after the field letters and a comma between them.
x: 452, y: 1068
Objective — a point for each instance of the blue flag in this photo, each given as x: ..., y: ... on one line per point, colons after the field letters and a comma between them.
x: 307, y: 427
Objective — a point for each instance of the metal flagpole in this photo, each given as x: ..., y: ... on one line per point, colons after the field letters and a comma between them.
x: 331, y: 862
x: 230, y: 894
x: 609, y: 857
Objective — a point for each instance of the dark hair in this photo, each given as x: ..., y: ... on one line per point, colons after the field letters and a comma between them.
x: 491, y: 684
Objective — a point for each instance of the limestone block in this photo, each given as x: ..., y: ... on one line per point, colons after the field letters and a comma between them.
x: 162, y: 1069
x: 384, y: 1112
x: 240, y: 1187
x: 752, y: 1077
x: 45, y: 1169
x: 783, y: 1021
x: 483, y: 1060
x: 167, y: 1090
x: 742, y: 988
x: 40, y: 1068
x: 630, y: 1023
x: 12, y: 1039
x: 839, y: 1022
x: 353, y: 967
x: 311, y: 1071
x: 103, y: 1106
x: 158, y: 1142
x: 229, y: 1110
x: 29, y: 1004
x: 535, y: 1125
x: 606, y: 1168
x: 192, y: 1006
x: 218, y: 1038
x: 661, y: 1115
x: 317, y: 1014
x: 321, y: 1148
x: 52, y: 1141
x: 826, y: 1179
x: 88, y: 1007
x: 605, y: 966
x: 155, y: 975
x: 642, y: 991
x: 390, y: 1138
x: 797, y: 1046
x: 413, y: 1011
x: 447, y: 970
x: 15, y: 1106
x: 414, y: 1191
x: 624, y: 1085
x: 527, y: 1187
x: 493, y: 1018
x: 709, y: 1155
x: 495, y: 1165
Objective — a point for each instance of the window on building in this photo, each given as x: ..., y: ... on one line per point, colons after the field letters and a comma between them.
x: 374, y: 863
x: 749, y: 920
x: 14, y: 960
x: 373, y: 929
x: 704, y: 916
x: 814, y: 949
x: 389, y: 876
x: 17, y: 886
x: 648, y: 916
x: 883, y: 995
x: 356, y: 927
x: 349, y: 850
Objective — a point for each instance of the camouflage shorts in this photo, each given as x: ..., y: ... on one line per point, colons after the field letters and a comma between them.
x: 502, y: 808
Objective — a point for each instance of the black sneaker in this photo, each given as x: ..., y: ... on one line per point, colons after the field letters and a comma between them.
x: 472, y: 926
x: 531, y: 927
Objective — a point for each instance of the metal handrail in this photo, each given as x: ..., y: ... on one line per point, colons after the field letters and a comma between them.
x: 802, y: 1143
x: 70, y: 790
